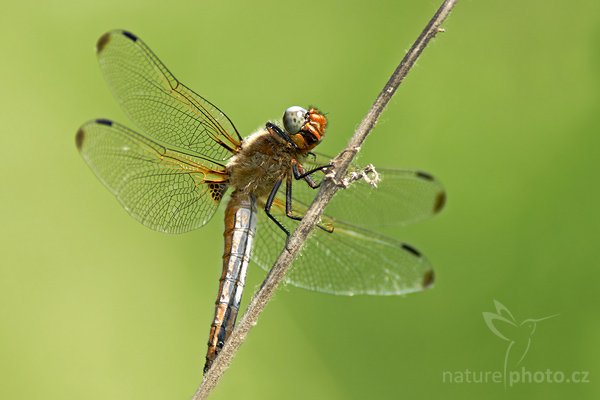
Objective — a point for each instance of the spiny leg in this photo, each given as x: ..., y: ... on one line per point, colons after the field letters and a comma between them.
x: 301, y: 173
x: 270, y: 203
x: 289, y: 202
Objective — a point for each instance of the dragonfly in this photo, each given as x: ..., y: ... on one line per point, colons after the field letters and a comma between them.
x: 187, y: 157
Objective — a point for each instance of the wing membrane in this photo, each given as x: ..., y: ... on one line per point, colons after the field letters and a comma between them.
x: 351, y: 259
x: 159, y: 104
x: 164, y: 189
x: 347, y: 261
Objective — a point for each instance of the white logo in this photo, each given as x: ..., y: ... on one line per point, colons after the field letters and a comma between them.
x: 518, y: 335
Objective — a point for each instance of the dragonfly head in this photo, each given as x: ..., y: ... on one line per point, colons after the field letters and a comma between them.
x: 306, y: 128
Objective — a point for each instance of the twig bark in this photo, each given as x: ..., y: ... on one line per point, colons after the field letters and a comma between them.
x: 341, y: 164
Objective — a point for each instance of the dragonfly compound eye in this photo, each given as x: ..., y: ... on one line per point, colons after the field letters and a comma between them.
x: 294, y: 119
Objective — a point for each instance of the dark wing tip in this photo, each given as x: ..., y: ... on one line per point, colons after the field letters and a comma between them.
x: 428, y: 279
x: 105, y: 39
x: 102, y: 42
x: 103, y: 121
x: 411, y: 250
x: 425, y: 175
x: 130, y: 36
x: 440, y: 200
x: 79, y: 138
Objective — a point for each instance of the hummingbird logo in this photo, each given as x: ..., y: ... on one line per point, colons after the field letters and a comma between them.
x: 518, y: 335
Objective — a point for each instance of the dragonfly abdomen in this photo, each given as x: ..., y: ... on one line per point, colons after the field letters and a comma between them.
x: 240, y: 228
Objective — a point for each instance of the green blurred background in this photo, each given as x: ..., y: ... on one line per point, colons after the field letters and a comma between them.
x: 502, y: 108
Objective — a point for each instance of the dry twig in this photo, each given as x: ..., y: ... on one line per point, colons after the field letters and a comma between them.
x: 328, y: 189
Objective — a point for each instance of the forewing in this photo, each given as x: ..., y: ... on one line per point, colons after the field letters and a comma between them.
x: 347, y: 261
x: 400, y: 197
x: 160, y: 105
x: 164, y: 189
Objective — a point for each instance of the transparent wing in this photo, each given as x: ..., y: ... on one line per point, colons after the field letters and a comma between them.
x: 160, y: 105
x: 401, y: 197
x: 347, y: 261
x: 164, y: 189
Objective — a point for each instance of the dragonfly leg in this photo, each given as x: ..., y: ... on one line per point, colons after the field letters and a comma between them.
x: 268, y: 208
x: 301, y: 173
x: 288, y: 205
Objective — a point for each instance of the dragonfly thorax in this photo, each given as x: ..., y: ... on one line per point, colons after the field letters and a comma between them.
x: 263, y: 159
